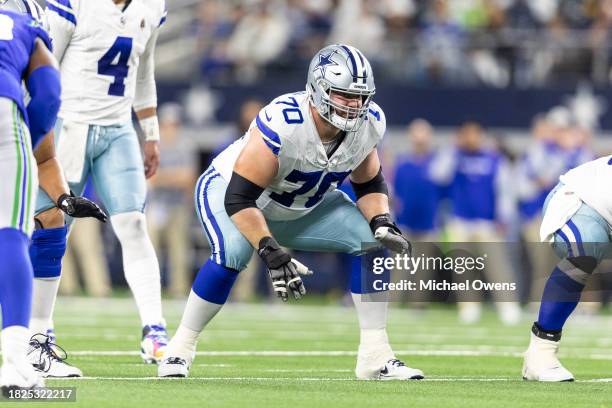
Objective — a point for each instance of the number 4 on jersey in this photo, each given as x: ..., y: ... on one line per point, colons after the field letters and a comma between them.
x: 115, y: 63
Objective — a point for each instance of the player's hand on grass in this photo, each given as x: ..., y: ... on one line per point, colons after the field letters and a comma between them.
x: 151, y: 158
x: 388, y: 234
x: 284, y: 271
x: 80, y: 207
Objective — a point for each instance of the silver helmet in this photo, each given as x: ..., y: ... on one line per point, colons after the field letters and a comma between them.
x: 342, y: 69
x: 30, y: 7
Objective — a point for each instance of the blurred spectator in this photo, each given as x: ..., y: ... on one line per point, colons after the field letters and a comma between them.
x: 416, y: 198
x: 170, y: 202
x: 538, y: 171
x: 441, y: 47
x: 493, y: 42
x: 481, y: 194
x: 215, y: 23
x: 248, y: 111
x: 356, y: 22
x: 259, y: 38
x: 416, y: 194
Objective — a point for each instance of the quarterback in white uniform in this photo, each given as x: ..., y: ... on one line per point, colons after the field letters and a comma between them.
x: 106, y: 54
x: 277, y: 186
x: 578, y: 223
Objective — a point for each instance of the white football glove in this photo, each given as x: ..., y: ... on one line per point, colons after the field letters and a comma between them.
x: 387, y: 233
x: 284, y: 271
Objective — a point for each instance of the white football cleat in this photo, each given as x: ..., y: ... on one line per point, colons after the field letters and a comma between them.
x: 540, y: 361
x: 153, y: 344
x: 48, y: 359
x: 19, y: 376
x: 395, y: 369
x: 173, y: 367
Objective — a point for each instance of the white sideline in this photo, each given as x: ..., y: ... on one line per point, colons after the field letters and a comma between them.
x: 437, y: 379
x: 304, y: 353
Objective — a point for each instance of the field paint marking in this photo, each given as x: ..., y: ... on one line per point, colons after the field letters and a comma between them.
x: 280, y: 353
x: 439, y: 379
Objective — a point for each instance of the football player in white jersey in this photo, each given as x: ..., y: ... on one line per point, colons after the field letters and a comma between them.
x: 277, y: 186
x: 106, y: 54
x: 578, y: 223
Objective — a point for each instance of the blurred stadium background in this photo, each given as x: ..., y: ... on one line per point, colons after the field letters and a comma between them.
x: 527, y: 80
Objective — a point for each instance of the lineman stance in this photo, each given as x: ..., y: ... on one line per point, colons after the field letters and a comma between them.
x: 106, y: 57
x: 277, y: 186
x: 577, y: 221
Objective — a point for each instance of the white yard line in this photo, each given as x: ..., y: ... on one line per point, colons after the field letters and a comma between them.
x: 436, y: 379
x: 318, y: 353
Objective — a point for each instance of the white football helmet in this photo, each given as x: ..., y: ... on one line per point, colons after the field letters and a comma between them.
x: 29, y: 7
x: 343, y: 69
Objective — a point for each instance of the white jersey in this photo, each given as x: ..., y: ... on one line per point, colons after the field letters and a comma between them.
x: 592, y: 183
x: 99, y: 48
x: 305, y: 171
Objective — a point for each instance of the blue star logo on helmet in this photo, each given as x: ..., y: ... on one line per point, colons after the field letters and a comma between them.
x: 324, y: 61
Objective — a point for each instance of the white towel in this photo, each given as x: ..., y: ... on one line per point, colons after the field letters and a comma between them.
x: 561, y: 207
x: 71, y: 149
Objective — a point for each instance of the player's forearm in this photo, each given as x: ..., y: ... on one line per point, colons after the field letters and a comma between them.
x: 51, y: 179
x: 50, y: 174
x: 252, y: 224
x: 146, y: 113
x: 373, y: 204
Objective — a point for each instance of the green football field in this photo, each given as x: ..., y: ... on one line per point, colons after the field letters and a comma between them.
x: 270, y: 355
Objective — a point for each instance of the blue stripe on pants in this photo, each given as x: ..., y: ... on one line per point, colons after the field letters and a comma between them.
x: 576, y: 232
x: 214, y: 236
x: 569, y: 245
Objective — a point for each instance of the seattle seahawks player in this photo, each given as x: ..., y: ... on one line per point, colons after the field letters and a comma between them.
x: 106, y: 55
x: 51, y: 180
x: 24, y: 54
x: 578, y: 223
x: 277, y: 186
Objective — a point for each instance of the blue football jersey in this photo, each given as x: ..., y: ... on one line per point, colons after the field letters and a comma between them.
x: 18, y: 33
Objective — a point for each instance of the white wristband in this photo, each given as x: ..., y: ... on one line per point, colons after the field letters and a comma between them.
x: 150, y: 128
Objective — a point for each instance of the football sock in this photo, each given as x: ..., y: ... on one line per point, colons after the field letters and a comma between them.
x: 140, y: 265
x: 363, y: 278
x: 209, y: 292
x: 371, y: 308
x: 15, y: 279
x: 44, y: 294
x: 46, y: 252
x: 560, y: 297
x: 14, y: 341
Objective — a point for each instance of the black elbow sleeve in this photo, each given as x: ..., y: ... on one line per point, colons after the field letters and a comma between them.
x: 240, y: 194
x: 376, y: 185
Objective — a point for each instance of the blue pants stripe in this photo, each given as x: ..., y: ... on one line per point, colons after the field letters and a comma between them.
x: 567, y: 242
x: 198, y: 197
x: 24, y: 197
x: 576, y: 232
x: 213, y: 231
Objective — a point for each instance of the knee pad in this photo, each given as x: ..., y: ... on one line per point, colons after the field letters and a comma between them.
x: 47, y: 250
